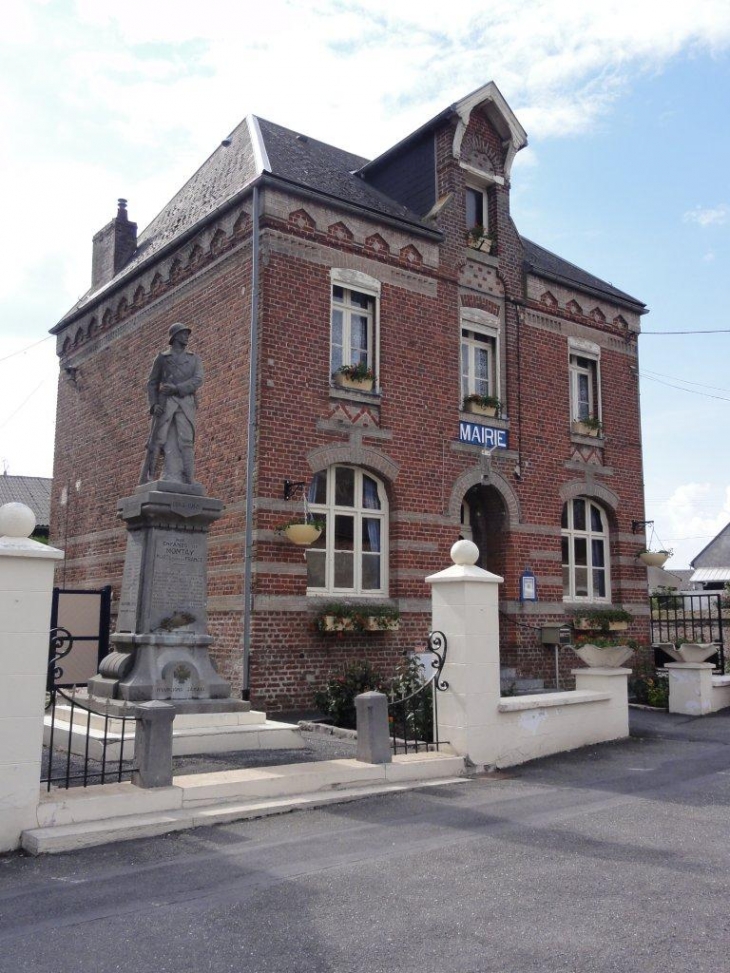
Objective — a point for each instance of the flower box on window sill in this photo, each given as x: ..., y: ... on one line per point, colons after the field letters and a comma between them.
x: 581, y: 428
x: 593, y: 625
x: 601, y: 619
x: 355, y: 618
x: 335, y: 623
x: 358, y: 384
x: 482, y: 405
x: 478, y: 239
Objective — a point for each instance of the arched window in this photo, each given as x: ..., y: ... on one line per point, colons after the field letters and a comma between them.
x: 351, y: 555
x: 585, y: 551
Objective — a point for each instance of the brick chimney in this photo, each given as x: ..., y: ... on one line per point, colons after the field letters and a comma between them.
x: 113, y: 247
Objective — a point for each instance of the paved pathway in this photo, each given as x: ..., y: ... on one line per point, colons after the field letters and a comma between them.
x: 612, y: 858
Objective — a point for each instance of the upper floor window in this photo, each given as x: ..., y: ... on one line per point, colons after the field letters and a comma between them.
x: 354, y: 320
x: 585, y: 388
x: 351, y: 554
x: 477, y: 211
x: 585, y: 551
x: 477, y: 363
x: 479, y: 354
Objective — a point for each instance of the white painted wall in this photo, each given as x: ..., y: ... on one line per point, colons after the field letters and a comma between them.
x: 480, y: 725
x: 694, y: 691
x: 26, y: 583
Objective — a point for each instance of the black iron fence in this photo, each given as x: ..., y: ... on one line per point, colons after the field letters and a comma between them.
x: 413, y: 716
x: 84, y: 743
x: 695, y: 617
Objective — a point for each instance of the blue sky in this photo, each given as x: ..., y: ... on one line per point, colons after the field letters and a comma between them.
x: 626, y: 172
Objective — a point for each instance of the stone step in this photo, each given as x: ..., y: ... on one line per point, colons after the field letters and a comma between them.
x: 191, y: 734
x: 84, y: 817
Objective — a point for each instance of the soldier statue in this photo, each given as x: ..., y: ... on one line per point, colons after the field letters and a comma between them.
x: 175, y: 377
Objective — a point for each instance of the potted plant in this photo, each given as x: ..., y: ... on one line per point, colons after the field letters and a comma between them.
x: 483, y: 405
x: 654, y: 559
x: 358, y: 377
x: 588, y: 426
x: 601, y: 652
x: 335, y: 617
x: 302, y: 530
x: 601, y: 619
x: 479, y: 239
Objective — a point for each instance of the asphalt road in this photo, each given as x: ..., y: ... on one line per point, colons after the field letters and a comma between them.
x: 614, y: 858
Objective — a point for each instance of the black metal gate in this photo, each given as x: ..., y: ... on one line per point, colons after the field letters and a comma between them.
x: 695, y: 617
x: 413, y: 718
x: 84, y: 743
x: 85, y: 614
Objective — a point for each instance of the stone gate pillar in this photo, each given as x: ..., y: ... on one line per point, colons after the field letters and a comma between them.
x: 464, y: 607
x: 26, y: 586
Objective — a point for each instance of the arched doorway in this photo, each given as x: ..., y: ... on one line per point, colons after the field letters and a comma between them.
x: 483, y: 520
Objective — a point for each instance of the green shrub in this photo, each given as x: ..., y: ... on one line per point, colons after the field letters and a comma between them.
x: 337, y: 699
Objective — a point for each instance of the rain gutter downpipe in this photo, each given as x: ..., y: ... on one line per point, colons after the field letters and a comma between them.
x: 251, y: 451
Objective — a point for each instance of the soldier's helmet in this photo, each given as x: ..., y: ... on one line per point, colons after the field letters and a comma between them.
x: 176, y: 329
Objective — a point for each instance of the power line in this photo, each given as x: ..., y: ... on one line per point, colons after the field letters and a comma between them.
x: 25, y: 400
x: 687, y: 381
x: 712, y: 331
x: 22, y: 351
x: 681, y: 388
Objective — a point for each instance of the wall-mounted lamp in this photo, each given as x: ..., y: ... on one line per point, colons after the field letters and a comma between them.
x: 294, y: 489
x: 640, y: 525
x: 71, y: 371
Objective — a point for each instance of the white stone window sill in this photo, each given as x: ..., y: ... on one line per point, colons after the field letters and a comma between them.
x: 354, y: 395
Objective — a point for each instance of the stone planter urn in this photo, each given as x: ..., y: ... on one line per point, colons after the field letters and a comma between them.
x: 690, y: 652
x: 609, y: 656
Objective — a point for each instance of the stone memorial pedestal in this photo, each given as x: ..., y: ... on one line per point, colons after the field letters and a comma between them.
x: 161, y: 643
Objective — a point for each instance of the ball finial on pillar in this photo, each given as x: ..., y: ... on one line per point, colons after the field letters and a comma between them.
x: 464, y: 552
x: 16, y: 520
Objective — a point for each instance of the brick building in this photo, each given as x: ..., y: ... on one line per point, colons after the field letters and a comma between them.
x: 411, y: 265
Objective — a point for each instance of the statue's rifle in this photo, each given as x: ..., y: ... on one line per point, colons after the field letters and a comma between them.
x: 151, y: 451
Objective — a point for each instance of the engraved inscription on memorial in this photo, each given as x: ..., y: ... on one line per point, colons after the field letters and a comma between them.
x: 129, y: 597
x: 178, y: 592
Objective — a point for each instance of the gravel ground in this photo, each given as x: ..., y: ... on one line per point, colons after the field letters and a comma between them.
x: 318, y: 746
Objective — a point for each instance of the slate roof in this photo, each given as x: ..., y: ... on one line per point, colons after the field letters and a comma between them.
x: 33, y: 491
x: 257, y: 148
x: 546, y: 264
x: 236, y: 163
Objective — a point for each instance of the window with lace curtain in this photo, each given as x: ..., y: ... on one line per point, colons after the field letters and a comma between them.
x: 351, y: 554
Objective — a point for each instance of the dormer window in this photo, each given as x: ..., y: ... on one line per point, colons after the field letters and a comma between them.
x: 476, y: 208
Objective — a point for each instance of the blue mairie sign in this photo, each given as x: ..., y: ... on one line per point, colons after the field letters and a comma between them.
x: 488, y: 437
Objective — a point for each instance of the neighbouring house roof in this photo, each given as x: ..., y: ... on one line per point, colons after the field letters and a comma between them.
x: 33, y: 491
x: 668, y: 578
x: 546, y: 264
x: 711, y: 574
x: 716, y: 554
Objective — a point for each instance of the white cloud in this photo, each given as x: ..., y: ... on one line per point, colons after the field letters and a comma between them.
x: 100, y: 100
x: 711, y: 216
x: 692, y: 515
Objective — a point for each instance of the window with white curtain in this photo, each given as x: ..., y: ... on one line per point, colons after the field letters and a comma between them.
x: 351, y: 554
x: 353, y: 320
x: 585, y: 540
